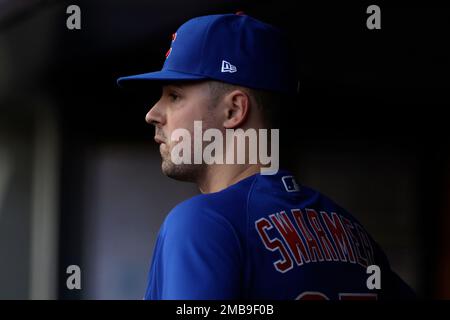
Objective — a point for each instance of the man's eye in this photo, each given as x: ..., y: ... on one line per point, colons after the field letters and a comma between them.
x: 174, y: 96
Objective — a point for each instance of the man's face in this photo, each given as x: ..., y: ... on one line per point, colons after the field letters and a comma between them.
x: 179, y: 106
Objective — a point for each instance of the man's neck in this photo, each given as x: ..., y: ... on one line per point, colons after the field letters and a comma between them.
x: 219, y: 177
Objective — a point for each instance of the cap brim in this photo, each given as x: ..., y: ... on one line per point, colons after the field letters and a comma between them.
x: 158, y: 76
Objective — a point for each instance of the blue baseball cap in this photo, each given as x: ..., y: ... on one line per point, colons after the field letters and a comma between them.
x: 232, y: 48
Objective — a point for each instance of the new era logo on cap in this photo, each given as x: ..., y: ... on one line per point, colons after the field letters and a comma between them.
x: 228, y: 67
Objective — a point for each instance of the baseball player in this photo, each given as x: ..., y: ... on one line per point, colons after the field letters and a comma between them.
x: 248, y: 235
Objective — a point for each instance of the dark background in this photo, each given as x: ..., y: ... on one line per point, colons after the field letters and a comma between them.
x: 369, y: 129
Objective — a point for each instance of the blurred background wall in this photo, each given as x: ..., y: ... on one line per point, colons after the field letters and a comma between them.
x: 80, y: 179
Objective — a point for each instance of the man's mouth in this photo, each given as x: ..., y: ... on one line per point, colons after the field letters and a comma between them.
x: 159, y: 140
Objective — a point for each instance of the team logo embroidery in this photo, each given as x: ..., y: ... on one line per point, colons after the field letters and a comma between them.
x: 290, y: 184
x: 228, y: 67
x: 174, y: 37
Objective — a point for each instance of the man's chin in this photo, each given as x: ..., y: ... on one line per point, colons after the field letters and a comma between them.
x: 182, y: 172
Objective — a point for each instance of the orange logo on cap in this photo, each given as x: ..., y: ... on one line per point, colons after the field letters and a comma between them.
x: 168, y: 52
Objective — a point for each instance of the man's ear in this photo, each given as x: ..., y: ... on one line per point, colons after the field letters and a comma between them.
x: 237, y: 104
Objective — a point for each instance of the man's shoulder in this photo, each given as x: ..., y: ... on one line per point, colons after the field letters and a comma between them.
x: 198, y: 224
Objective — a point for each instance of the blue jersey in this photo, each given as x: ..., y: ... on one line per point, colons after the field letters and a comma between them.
x: 266, y: 237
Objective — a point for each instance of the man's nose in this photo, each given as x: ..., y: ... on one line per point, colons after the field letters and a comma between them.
x: 155, y: 115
